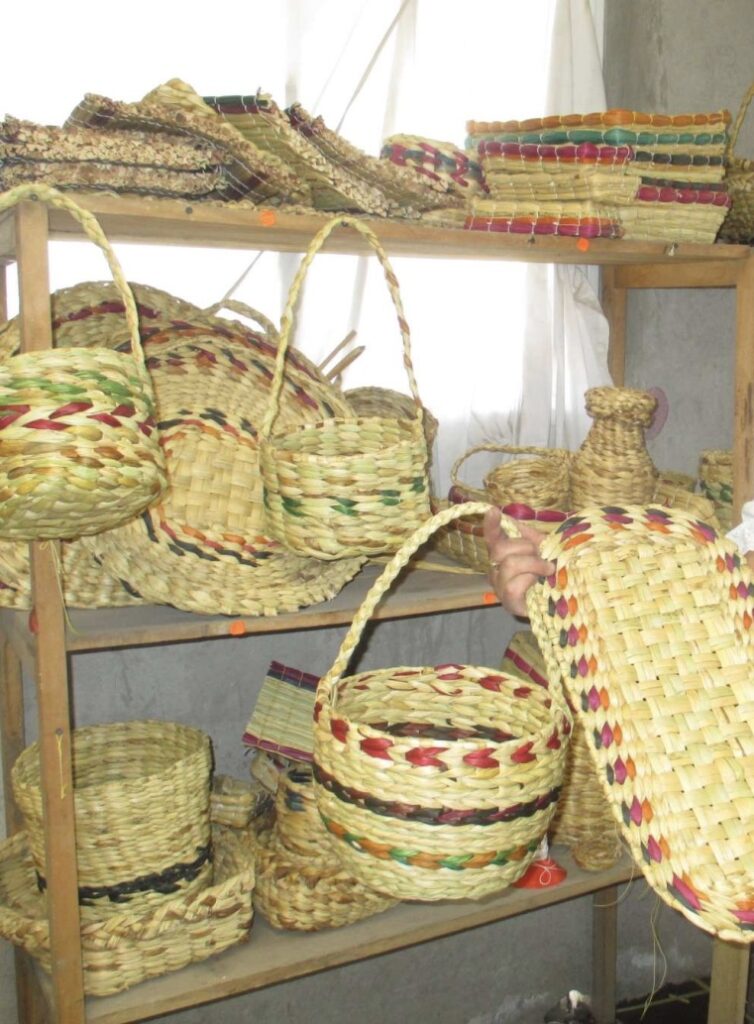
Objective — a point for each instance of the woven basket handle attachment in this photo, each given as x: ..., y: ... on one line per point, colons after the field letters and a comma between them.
x: 742, y: 111
x: 236, y: 306
x: 503, y: 449
x: 93, y: 231
x: 286, y: 321
x: 327, y: 686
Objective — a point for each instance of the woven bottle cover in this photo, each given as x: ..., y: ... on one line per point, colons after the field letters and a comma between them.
x: 647, y: 620
x: 613, y: 464
x: 344, y: 487
x: 79, y: 448
x: 436, y: 782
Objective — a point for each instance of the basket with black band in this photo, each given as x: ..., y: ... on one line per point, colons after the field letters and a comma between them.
x: 435, y: 782
x: 344, y: 487
x: 141, y: 796
x: 79, y: 447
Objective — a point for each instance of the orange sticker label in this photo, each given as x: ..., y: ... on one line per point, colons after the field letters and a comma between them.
x: 583, y: 245
x: 267, y: 218
x: 237, y: 628
x: 490, y: 598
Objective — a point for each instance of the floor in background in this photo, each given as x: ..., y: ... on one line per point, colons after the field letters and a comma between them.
x: 684, y: 1003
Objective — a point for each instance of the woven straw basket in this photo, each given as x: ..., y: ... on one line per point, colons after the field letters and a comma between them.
x: 374, y: 401
x: 301, y: 884
x: 437, y: 782
x: 716, y: 482
x: 130, y: 946
x: 647, y: 621
x: 344, y: 487
x: 738, y: 225
x: 142, y: 813
x: 79, y: 448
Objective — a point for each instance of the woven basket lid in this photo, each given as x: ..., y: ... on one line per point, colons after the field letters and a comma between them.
x: 203, y: 548
x: 647, y: 621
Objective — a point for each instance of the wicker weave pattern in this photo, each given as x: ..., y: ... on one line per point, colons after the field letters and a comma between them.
x: 490, y: 755
x: 126, y: 948
x: 79, y: 449
x: 344, y: 487
x: 142, y: 812
x: 647, y: 622
x: 738, y: 225
x: 716, y: 482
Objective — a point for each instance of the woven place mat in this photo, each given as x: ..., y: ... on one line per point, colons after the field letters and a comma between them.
x: 670, y: 222
x: 203, y: 548
x: 260, y: 121
x: 545, y: 188
x: 717, y: 120
x: 577, y: 219
x: 101, y: 176
x: 647, y: 621
x: 249, y: 172
x: 442, y: 163
x: 611, y: 136
x: 407, y: 194
x: 533, y: 157
x: 281, y: 720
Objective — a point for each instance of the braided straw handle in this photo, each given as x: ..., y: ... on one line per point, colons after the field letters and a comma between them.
x: 286, y: 320
x: 742, y: 111
x: 327, y: 686
x: 487, y: 447
x: 87, y: 220
x: 235, y: 306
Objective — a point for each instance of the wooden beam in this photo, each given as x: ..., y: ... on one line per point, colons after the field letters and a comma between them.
x: 730, y: 977
x: 614, y: 306
x: 51, y: 667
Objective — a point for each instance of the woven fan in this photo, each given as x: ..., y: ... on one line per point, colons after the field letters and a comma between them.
x: 281, y: 721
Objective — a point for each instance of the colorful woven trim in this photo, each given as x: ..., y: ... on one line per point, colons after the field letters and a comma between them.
x: 571, y: 227
x: 614, y: 117
x: 585, y: 153
x: 424, y: 860
x: 680, y: 194
x: 611, y: 136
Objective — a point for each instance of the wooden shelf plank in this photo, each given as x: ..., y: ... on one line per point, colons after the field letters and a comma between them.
x: 417, y: 592
x: 235, y: 226
x: 273, y: 956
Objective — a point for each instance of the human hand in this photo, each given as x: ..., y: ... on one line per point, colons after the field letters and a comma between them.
x: 515, y: 562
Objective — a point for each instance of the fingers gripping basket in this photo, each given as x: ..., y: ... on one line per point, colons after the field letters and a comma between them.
x: 435, y: 782
x: 647, y: 620
x: 79, y: 448
x: 345, y: 486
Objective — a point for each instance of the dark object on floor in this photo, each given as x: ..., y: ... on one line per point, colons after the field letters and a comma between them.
x: 571, y: 1009
x: 684, y: 1003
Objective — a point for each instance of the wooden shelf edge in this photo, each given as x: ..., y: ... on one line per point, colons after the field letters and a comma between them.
x: 272, y: 956
x: 418, y: 592
x: 227, y: 225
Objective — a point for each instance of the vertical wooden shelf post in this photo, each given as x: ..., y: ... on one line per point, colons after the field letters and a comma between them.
x: 51, y: 666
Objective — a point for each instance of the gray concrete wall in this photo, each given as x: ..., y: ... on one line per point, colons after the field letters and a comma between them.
x: 669, y: 55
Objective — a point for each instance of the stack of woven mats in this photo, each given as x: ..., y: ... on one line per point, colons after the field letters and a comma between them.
x: 614, y: 173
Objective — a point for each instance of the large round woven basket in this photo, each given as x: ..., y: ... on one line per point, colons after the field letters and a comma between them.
x: 647, y: 622
x: 131, y: 946
x: 142, y: 813
x: 437, y: 782
x: 349, y: 486
x: 204, y: 548
x: 79, y: 447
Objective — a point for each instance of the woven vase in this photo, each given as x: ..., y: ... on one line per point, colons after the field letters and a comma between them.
x: 613, y: 466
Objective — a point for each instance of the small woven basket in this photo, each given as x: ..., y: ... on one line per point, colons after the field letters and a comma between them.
x: 537, y: 476
x: 436, y: 782
x: 647, y: 623
x: 130, y: 946
x: 142, y: 813
x: 79, y: 447
x: 344, y: 487
x: 716, y: 483
x: 298, y: 826
x: 738, y: 225
x: 374, y: 401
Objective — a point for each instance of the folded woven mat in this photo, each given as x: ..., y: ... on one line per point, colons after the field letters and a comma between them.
x: 113, y: 177
x: 249, y: 172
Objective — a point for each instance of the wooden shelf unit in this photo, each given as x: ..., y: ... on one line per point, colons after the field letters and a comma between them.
x: 269, y: 956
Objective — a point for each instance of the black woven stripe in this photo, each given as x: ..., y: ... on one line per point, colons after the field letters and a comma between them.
x: 433, y: 815
x: 167, y: 881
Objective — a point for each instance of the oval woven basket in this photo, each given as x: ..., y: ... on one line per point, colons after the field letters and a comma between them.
x: 344, y: 487
x: 647, y: 621
x: 141, y: 809
x: 130, y: 946
x: 537, y: 476
x: 79, y: 447
x: 437, y: 782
